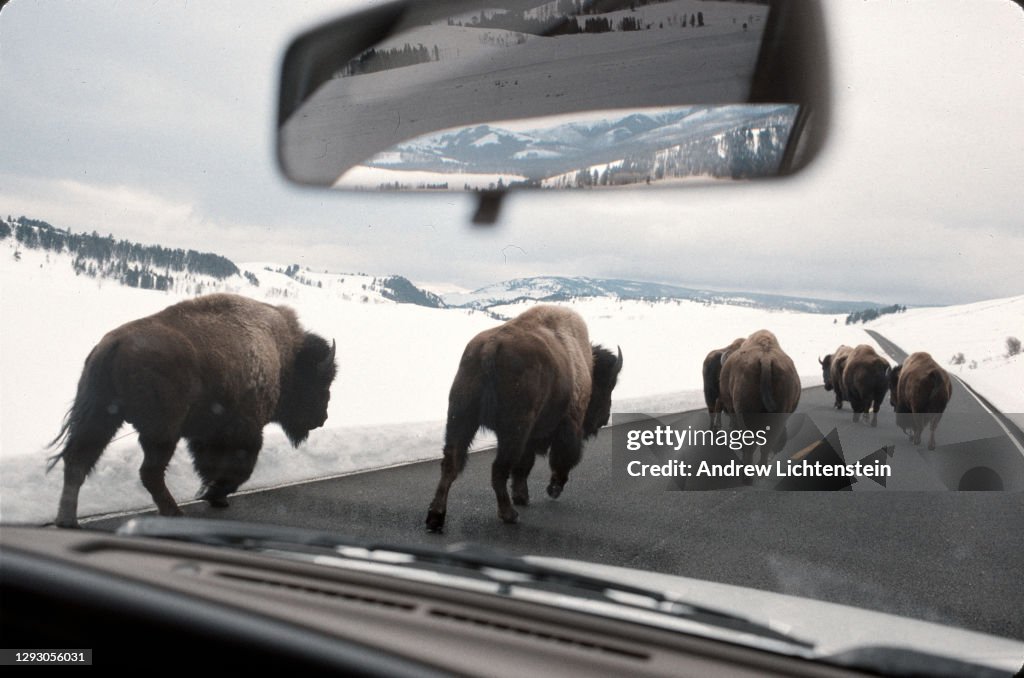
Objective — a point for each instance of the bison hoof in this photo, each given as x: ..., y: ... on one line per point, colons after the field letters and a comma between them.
x: 67, y: 524
x: 521, y: 498
x: 510, y: 517
x: 218, y: 502
x: 435, y: 521
x: 554, y: 491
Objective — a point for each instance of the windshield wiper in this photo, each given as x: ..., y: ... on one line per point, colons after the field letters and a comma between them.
x: 507, y: 571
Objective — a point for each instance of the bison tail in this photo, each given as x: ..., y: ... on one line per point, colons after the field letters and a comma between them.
x: 712, y: 372
x: 94, y: 414
x: 767, y: 397
x: 489, y: 387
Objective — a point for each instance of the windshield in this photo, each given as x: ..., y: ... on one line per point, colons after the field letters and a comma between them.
x: 564, y: 384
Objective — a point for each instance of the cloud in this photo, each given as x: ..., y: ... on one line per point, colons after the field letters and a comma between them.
x: 154, y: 122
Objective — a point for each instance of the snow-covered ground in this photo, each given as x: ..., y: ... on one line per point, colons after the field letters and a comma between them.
x: 979, y: 331
x: 362, y: 177
x: 396, y: 362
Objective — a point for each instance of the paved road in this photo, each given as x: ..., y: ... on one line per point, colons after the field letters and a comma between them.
x: 912, y: 548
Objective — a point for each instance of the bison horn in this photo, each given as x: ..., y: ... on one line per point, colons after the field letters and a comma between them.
x: 820, y: 361
x: 329, y: 360
x: 618, y: 361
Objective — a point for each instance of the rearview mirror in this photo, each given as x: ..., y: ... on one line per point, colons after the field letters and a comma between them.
x: 497, y: 94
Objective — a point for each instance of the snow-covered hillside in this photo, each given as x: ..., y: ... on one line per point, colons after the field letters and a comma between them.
x: 979, y: 332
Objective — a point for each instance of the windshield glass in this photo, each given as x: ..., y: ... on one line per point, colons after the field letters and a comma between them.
x: 589, y: 334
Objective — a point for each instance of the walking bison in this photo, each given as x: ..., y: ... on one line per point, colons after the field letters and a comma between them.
x: 865, y: 382
x: 712, y: 372
x: 759, y: 379
x: 213, y: 370
x: 919, y: 391
x: 538, y: 383
x: 832, y: 367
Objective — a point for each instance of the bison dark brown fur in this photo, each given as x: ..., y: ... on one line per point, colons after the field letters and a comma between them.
x: 865, y: 382
x: 538, y: 383
x: 213, y: 370
x: 759, y: 378
x: 712, y: 372
x: 919, y: 391
x: 832, y: 366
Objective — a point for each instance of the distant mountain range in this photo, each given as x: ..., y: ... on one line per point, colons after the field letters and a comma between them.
x: 554, y: 288
x: 191, y: 272
x: 716, y: 141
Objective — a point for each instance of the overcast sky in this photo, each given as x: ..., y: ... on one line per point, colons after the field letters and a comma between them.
x: 154, y: 121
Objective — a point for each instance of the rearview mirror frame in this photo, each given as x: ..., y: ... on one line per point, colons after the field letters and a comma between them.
x: 792, y: 66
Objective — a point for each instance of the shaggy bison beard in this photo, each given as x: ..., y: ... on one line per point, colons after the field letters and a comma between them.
x: 606, y: 374
x: 304, y: 398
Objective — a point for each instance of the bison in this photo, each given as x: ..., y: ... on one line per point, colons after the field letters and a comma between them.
x: 919, y: 391
x: 712, y: 372
x: 759, y: 378
x: 539, y: 384
x: 832, y: 372
x: 213, y: 370
x: 865, y: 382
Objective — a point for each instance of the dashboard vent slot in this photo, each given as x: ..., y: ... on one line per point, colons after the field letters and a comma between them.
x: 538, y: 634
x: 318, y: 591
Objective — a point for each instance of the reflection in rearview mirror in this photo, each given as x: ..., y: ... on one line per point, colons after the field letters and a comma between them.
x: 607, y: 148
x: 548, y: 94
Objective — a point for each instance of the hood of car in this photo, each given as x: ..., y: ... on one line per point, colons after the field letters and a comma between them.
x: 835, y: 629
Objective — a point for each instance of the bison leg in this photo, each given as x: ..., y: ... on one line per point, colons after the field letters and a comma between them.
x: 224, y: 466
x: 931, y: 434
x: 875, y: 406
x: 716, y: 417
x: 158, y: 454
x: 81, y: 453
x: 566, y: 452
x: 511, y: 450
x: 857, y: 405
x: 520, y: 472
x: 839, y: 399
x: 451, y: 466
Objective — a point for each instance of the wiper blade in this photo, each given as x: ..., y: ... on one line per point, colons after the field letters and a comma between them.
x: 505, y: 570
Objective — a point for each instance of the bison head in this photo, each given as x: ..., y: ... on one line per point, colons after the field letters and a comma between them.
x: 607, y: 366
x: 893, y: 374
x: 826, y: 371
x: 304, y: 398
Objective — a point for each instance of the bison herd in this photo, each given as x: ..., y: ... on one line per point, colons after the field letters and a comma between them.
x: 919, y: 389
x: 215, y: 370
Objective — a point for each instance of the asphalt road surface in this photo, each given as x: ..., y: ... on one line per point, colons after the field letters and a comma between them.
x: 912, y: 548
